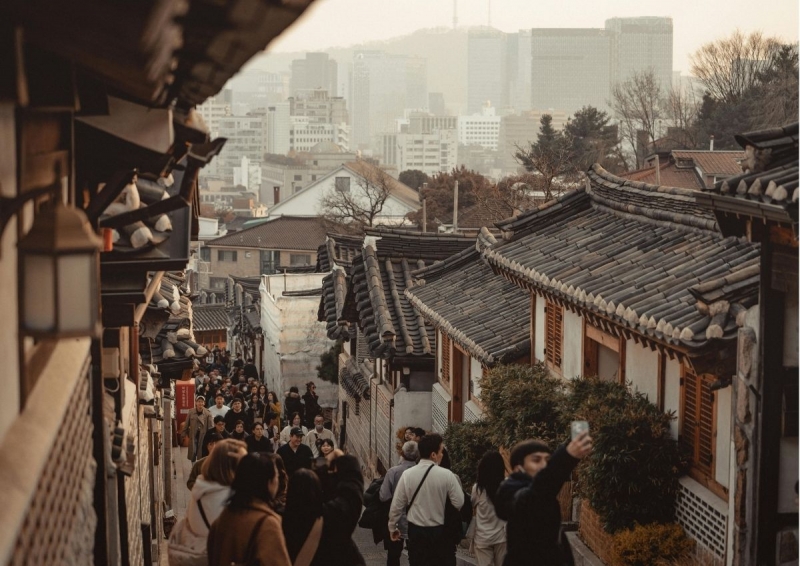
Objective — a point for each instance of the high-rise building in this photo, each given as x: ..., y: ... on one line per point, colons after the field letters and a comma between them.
x: 316, y: 71
x: 305, y: 134
x: 431, y: 153
x: 245, y: 135
x: 214, y: 108
x: 481, y: 129
x: 277, y: 126
x: 640, y: 44
x: 570, y: 68
x: 384, y: 85
x: 520, y: 84
x: 487, y: 69
x: 319, y: 107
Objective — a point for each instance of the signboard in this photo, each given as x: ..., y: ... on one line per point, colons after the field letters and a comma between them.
x: 184, y: 401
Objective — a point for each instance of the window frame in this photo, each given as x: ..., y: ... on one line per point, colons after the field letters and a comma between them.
x: 342, y: 189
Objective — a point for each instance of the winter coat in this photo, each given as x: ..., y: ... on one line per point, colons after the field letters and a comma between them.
x: 231, y: 417
x: 213, y: 497
x: 293, y: 405
x: 530, y: 506
x: 313, y: 409
x: 230, y: 534
x: 195, y: 427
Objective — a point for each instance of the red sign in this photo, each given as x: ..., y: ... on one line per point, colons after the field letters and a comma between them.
x: 184, y: 400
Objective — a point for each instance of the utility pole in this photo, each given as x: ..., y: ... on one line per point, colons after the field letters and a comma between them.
x: 424, y: 215
x: 455, y: 209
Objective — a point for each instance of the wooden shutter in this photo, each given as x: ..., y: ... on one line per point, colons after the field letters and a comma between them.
x: 697, y: 431
x: 446, y: 349
x: 554, y: 323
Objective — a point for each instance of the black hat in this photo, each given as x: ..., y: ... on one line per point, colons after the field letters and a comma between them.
x: 213, y: 437
x: 297, y: 431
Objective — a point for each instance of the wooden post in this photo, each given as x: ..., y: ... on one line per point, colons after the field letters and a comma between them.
x: 455, y: 209
x: 424, y: 215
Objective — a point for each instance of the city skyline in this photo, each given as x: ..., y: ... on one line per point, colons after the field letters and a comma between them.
x: 320, y: 27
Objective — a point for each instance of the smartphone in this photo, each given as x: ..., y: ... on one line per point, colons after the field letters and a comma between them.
x: 578, y: 428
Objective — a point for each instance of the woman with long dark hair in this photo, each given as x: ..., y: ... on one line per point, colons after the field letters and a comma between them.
x: 305, y: 505
x: 249, y: 530
x: 489, y: 544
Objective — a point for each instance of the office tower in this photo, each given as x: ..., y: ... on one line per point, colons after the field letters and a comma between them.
x: 481, y: 129
x: 316, y: 71
x: 640, y: 44
x: 384, y: 86
x: 570, y: 68
x: 436, y: 103
x: 245, y: 135
x: 520, y: 85
x: 487, y: 69
x: 276, y: 128
x: 430, y: 153
x: 319, y: 107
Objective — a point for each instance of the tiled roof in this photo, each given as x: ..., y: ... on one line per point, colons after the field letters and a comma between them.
x: 282, y: 233
x: 353, y: 381
x: 631, y: 253
x: 336, y: 255
x: 376, y: 299
x: 714, y: 163
x: 479, y: 215
x: 768, y: 187
x: 338, y: 249
x: 669, y: 176
x: 209, y: 317
x: 454, y: 295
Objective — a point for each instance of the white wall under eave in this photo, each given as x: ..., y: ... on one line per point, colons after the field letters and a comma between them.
x: 572, y: 347
x: 412, y: 408
x: 672, y: 393
x: 475, y: 375
x: 723, y: 441
x: 641, y: 369
x: 9, y: 327
x: 538, y: 334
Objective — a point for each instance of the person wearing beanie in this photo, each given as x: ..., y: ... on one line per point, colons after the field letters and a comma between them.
x: 527, y: 500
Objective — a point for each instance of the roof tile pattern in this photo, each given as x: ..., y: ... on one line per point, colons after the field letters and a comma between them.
x: 718, y: 163
x: 454, y: 295
x: 282, y: 233
x: 376, y: 296
x: 336, y: 255
x: 629, y: 252
x: 209, y: 317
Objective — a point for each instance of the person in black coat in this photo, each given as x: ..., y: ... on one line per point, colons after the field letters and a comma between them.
x: 258, y: 442
x: 527, y: 499
x: 295, y: 454
x: 292, y: 404
x: 237, y: 413
x: 311, y: 400
x: 305, y: 503
x: 250, y: 369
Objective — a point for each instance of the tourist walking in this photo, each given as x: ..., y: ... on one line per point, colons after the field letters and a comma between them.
x: 295, y: 454
x: 319, y: 433
x: 305, y: 504
x: 219, y: 430
x: 489, y: 541
x: 423, y: 490
x: 311, y: 401
x: 295, y: 422
x: 292, y: 403
x: 248, y: 531
x: 257, y: 442
x: 197, y: 423
x: 409, y: 457
x: 527, y: 500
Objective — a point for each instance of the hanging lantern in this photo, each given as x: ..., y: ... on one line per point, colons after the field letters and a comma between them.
x: 59, y: 273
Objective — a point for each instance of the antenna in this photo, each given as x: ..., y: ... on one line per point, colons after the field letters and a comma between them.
x: 455, y: 14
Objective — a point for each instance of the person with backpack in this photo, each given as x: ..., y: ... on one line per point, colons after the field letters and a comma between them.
x: 423, y: 491
x: 410, y: 455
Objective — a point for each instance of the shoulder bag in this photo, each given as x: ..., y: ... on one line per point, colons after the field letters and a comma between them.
x: 413, y: 497
x: 310, y: 546
x: 185, y: 547
x: 250, y: 558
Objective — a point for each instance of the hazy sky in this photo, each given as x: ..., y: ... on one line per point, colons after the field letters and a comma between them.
x: 334, y: 23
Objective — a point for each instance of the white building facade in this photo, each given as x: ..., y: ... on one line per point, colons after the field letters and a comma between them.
x: 480, y: 129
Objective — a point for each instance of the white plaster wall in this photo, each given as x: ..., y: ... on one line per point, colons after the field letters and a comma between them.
x: 723, y: 440
x: 672, y: 393
x: 607, y: 364
x: 8, y: 274
x: 293, y: 338
x: 538, y: 334
x: 439, y: 353
x: 641, y: 369
x: 475, y: 374
x: 572, y: 347
x: 412, y: 408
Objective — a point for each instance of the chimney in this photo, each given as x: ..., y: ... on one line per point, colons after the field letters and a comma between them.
x: 711, y: 144
x: 276, y: 195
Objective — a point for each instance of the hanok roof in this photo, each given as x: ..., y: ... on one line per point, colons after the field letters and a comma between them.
x: 712, y: 163
x: 282, y: 233
x: 376, y: 299
x: 353, y: 379
x: 768, y: 187
x: 209, y: 317
x: 336, y: 256
x: 668, y: 175
x: 479, y: 215
x: 632, y: 254
x: 454, y: 295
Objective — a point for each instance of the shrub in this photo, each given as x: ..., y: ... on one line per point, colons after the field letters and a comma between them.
x: 524, y: 402
x: 632, y: 475
x: 653, y: 544
x: 466, y: 443
x: 328, y: 369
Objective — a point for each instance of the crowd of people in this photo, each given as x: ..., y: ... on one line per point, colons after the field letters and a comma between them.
x: 269, y: 486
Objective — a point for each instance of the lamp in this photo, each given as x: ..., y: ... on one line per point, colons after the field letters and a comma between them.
x: 58, y: 261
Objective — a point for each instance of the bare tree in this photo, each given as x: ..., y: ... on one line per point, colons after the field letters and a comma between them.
x: 358, y: 207
x: 636, y: 104
x: 778, y: 101
x: 510, y: 195
x: 730, y: 67
x: 681, y: 107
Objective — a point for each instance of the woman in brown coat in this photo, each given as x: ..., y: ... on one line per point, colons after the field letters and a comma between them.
x: 249, y: 530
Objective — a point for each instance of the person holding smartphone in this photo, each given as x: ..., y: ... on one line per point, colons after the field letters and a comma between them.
x: 527, y: 499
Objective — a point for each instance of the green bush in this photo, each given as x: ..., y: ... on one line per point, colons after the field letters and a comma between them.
x: 466, y: 443
x: 653, y: 544
x: 328, y: 369
x: 524, y: 402
x: 632, y: 475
